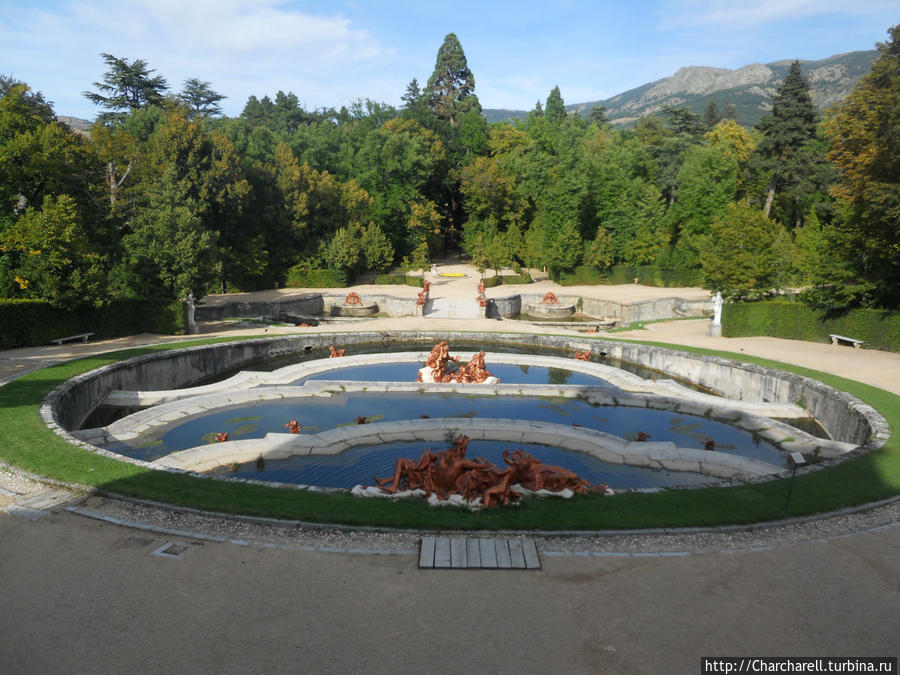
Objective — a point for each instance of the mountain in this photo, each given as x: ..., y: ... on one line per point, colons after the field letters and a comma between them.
x: 76, y: 124
x: 750, y: 89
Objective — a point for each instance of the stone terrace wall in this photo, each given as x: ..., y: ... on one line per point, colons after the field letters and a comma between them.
x: 504, y: 307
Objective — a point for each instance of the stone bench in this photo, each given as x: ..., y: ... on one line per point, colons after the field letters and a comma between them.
x: 71, y: 338
x: 837, y: 339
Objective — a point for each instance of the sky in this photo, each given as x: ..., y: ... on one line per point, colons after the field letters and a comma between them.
x: 330, y: 53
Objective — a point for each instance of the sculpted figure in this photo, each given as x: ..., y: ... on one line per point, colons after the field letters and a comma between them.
x: 550, y: 299
x: 352, y: 299
x: 449, y: 471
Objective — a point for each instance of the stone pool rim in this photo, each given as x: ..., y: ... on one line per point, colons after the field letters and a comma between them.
x: 53, y: 409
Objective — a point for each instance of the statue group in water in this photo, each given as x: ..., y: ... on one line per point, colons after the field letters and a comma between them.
x: 473, y: 372
x: 450, y: 472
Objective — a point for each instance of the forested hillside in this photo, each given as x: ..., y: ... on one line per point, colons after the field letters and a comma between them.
x: 168, y: 197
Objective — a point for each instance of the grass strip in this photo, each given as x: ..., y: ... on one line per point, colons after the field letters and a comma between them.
x: 27, y: 443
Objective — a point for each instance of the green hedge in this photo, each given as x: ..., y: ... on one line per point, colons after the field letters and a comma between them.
x: 301, y: 277
x: 582, y: 276
x: 491, y: 282
x: 650, y: 275
x: 25, y: 323
x: 399, y: 280
x: 523, y: 278
x: 879, y: 329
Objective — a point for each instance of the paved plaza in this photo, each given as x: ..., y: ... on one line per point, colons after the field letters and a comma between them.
x: 101, y: 586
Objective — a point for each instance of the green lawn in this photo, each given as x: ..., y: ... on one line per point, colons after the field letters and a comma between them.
x: 26, y: 443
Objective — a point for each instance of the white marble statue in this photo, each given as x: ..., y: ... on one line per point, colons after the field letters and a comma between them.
x: 717, y: 308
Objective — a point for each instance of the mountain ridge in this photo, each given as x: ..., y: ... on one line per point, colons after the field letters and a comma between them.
x: 749, y: 88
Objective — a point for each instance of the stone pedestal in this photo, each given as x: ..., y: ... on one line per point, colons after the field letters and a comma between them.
x: 715, y: 329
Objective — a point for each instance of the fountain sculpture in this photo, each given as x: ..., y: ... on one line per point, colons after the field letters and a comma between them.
x: 479, y: 481
x: 435, y: 369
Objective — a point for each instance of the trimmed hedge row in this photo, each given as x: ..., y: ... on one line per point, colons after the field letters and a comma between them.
x: 399, y: 280
x: 879, y: 329
x: 648, y: 275
x: 582, y: 275
x: 301, y: 277
x: 523, y: 278
x: 25, y: 323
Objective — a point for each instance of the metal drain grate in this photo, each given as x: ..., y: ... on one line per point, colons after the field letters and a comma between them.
x: 479, y: 553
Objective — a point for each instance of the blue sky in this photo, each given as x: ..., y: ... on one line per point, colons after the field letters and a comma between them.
x: 330, y: 53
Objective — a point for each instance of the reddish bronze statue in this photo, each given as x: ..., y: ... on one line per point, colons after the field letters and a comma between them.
x: 294, y: 426
x: 334, y: 353
x: 352, y: 299
x: 426, y: 286
x: 482, y: 300
x: 550, y: 299
x: 641, y: 436
x: 362, y: 420
x: 481, y: 287
x: 709, y: 444
x: 221, y: 437
x: 420, y: 301
x: 583, y: 356
x: 450, y: 472
x: 435, y: 370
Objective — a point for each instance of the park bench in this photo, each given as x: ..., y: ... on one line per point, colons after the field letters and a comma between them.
x: 70, y: 338
x: 837, y: 339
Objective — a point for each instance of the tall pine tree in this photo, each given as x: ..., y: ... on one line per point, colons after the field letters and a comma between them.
x: 787, y: 130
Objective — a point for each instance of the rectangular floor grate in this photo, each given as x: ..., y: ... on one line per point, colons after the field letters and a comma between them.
x: 479, y: 553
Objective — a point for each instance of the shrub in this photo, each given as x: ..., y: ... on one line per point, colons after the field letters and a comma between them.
x: 301, y: 277
x: 879, y: 329
x: 521, y: 278
x: 491, y: 282
x: 581, y: 275
x: 399, y: 280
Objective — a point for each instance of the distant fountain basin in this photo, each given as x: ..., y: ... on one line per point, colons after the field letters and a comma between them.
x: 548, y: 312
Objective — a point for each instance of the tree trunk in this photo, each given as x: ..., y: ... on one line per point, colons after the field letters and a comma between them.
x: 770, y: 198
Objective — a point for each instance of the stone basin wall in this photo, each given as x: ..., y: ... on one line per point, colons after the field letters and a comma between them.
x: 845, y: 417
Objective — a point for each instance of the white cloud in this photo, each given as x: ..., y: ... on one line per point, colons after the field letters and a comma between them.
x: 240, y: 46
x: 740, y: 13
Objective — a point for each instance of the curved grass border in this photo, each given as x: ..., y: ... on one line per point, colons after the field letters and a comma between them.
x: 26, y: 443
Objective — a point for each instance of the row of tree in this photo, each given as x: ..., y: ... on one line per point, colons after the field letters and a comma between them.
x: 166, y: 197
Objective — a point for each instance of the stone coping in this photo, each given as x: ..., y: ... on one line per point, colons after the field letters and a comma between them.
x: 603, y: 446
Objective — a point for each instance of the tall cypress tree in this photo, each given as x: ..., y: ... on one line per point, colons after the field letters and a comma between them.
x: 786, y: 130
